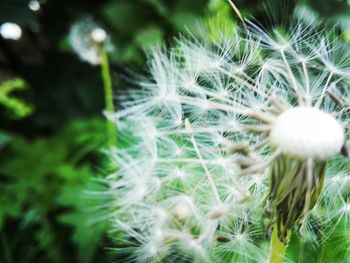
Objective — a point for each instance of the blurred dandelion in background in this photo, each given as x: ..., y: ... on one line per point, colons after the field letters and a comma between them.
x: 85, y: 37
x: 92, y: 43
x: 232, y: 143
x: 34, y: 5
x: 10, y: 31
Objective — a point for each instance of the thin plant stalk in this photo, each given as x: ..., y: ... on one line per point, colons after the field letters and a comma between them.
x: 236, y: 10
x: 277, y: 248
x: 108, y: 94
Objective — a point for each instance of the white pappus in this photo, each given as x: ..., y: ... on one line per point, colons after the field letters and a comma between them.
x: 206, y: 128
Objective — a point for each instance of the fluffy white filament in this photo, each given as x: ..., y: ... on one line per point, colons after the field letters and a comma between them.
x: 203, y: 128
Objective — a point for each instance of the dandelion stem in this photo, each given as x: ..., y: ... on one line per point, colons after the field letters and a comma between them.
x: 234, y: 7
x: 277, y: 248
x: 108, y: 93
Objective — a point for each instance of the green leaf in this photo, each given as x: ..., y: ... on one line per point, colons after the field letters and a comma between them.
x: 19, y: 108
x: 87, y: 236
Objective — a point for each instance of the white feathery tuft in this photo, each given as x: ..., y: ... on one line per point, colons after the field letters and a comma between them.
x: 203, y: 129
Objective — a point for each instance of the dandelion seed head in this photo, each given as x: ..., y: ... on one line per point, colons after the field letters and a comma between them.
x: 85, y: 37
x: 212, y: 123
x: 307, y: 132
x: 98, y: 35
x: 34, y: 5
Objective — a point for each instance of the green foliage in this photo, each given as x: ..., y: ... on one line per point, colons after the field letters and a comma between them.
x: 46, y: 189
x: 149, y: 37
x: 337, y: 12
x: 85, y: 217
x: 155, y: 21
x: 4, y: 139
x: 17, y: 107
x: 222, y: 23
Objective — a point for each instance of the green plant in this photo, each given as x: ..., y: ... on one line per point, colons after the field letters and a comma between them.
x: 45, y: 193
x: 17, y: 107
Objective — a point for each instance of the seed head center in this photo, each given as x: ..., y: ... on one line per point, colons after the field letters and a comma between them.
x: 307, y: 132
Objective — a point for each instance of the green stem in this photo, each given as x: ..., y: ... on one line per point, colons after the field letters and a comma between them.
x: 277, y: 248
x: 108, y: 92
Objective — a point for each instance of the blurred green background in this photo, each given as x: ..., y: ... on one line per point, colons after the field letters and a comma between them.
x: 52, y: 133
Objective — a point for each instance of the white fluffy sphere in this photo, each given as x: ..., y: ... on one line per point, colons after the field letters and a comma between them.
x: 98, y: 35
x: 306, y: 132
x: 10, y: 31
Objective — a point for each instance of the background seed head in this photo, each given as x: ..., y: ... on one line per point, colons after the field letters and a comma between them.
x: 86, y: 37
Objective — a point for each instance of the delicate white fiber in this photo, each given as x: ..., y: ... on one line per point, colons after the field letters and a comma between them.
x: 200, y: 132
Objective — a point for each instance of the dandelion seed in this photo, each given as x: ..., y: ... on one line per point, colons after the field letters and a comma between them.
x: 231, y: 132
